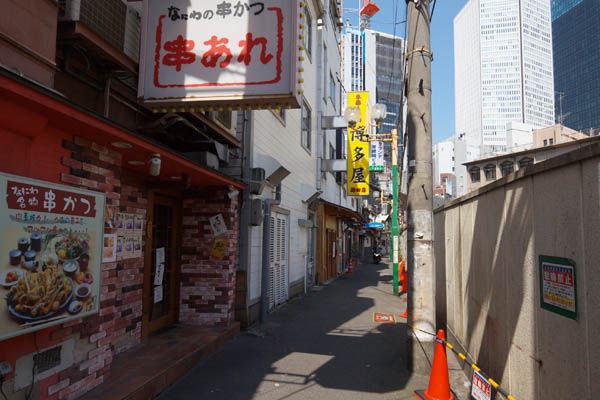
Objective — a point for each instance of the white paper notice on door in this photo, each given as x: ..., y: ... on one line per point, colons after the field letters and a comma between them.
x: 158, y: 294
x: 217, y: 223
x: 160, y: 255
x: 159, y: 273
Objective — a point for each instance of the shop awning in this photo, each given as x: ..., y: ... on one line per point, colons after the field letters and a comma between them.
x: 68, y: 116
x: 340, y: 211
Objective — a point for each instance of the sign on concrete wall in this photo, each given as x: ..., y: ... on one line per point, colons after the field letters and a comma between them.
x: 222, y: 52
x: 481, y: 389
x: 50, y: 254
x: 558, y: 287
x: 358, y: 148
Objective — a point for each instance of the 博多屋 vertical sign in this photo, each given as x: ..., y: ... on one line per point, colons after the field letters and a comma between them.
x: 50, y: 254
x: 358, y: 147
x: 558, y: 286
x: 239, y: 53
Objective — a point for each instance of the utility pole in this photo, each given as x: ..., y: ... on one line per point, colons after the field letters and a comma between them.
x: 420, y: 268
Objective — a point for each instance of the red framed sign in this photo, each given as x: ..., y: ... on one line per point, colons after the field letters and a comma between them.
x: 50, y: 253
x: 222, y: 52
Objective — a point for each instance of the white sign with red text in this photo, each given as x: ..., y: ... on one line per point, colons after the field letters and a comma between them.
x: 482, y: 389
x: 216, y: 50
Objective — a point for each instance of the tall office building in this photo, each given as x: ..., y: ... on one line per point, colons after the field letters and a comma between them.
x: 576, y: 46
x: 374, y: 61
x: 503, y: 71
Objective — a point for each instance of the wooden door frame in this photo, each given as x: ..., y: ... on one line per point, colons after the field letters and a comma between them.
x: 177, y: 226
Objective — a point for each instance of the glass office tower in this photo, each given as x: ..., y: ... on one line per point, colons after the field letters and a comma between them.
x: 576, y: 46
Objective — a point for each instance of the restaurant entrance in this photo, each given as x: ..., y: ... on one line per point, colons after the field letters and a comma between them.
x: 162, y: 258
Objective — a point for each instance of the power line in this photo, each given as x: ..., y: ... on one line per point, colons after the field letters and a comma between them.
x: 404, y: 75
x: 432, y: 10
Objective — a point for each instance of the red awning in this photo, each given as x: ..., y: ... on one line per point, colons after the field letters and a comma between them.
x: 65, y: 115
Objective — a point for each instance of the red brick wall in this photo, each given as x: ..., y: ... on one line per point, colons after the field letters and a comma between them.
x: 207, y: 283
x: 117, y: 327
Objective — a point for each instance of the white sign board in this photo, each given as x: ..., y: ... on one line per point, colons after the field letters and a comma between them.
x: 481, y: 389
x: 218, y: 225
x: 376, y: 160
x: 223, y: 52
x: 158, y: 294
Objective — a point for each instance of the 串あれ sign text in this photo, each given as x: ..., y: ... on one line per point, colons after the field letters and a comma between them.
x: 239, y: 51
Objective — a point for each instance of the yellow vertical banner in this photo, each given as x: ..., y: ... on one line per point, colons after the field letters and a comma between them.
x: 358, y: 147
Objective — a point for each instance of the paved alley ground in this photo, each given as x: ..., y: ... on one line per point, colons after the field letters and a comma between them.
x: 324, y: 345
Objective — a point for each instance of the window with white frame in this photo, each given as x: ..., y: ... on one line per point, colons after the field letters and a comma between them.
x: 325, y: 72
x: 332, y: 89
x: 306, y: 122
x: 309, y: 35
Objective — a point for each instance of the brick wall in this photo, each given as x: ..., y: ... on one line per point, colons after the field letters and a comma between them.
x: 207, y: 280
x: 117, y: 327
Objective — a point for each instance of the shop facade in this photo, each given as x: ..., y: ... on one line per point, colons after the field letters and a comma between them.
x: 58, y: 146
x: 161, y: 247
x: 337, y: 234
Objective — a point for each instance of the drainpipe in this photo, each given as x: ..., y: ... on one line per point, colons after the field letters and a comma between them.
x: 264, y: 284
x: 247, y: 151
x: 107, y: 97
x: 319, y: 104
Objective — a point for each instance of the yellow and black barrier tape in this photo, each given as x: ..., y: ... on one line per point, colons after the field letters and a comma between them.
x: 466, y: 359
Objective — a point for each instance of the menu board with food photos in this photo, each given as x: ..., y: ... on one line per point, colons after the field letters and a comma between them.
x: 51, y: 240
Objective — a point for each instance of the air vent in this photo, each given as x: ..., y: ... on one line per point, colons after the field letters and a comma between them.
x: 47, y: 360
x: 37, y: 366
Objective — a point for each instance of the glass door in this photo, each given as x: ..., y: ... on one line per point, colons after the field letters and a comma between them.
x: 161, y: 277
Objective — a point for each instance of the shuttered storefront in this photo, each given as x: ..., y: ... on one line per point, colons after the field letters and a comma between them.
x: 278, y: 260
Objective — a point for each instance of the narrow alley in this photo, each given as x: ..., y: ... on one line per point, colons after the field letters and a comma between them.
x: 324, y: 345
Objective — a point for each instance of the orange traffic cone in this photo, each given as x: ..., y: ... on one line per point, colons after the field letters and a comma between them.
x: 439, y: 383
x: 350, y: 266
x: 405, y: 315
x: 403, y: 277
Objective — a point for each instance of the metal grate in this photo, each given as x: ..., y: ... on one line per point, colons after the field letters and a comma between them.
x: 47, y: 360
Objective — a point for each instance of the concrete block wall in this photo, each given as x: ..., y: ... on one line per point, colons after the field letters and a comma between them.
x: 488, y: 245
x: 208, y: 283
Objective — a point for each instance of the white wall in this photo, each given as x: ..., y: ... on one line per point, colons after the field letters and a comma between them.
x: 443, y: 159
x: 463, y: 153
x: 281, y: 140
x: 467, y: 74
x: 519, y: 136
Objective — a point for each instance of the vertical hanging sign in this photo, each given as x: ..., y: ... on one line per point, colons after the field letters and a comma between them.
x: 358, y: 148
x: 376, y: 162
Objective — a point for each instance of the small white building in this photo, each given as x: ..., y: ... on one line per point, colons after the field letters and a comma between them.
x: 290, y: 145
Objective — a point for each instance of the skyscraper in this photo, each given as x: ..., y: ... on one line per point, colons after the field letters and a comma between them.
x: 576, y: 46
x: 374, y: 61
x: 503, y: 70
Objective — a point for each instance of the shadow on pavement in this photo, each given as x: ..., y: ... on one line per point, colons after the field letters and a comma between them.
x: 322, y: 344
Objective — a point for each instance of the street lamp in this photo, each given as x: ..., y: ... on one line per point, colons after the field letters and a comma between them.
x: 378, y: 114
x: 352, y: 116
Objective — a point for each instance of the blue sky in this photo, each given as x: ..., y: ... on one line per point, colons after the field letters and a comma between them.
x: 442, y: 70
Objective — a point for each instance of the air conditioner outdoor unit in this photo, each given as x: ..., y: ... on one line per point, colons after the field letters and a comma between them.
x: 257, y: 212
x: 225, y: 119
x: 117, y: 21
